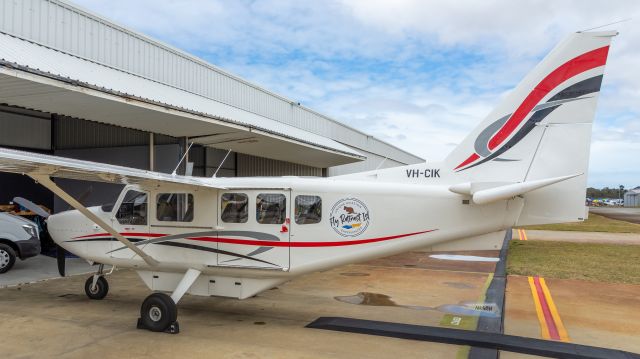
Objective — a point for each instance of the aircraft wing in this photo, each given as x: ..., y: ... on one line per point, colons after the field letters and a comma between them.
x: 42, y: 167
x: 39, y: 165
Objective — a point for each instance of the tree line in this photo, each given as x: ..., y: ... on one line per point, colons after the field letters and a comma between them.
x: 616, y: 192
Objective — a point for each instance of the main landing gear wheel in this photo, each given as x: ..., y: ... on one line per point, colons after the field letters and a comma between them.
x: 159, y: 313
x: 99, y: 291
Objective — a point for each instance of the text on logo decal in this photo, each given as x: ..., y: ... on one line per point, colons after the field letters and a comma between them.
x: 349, y: 217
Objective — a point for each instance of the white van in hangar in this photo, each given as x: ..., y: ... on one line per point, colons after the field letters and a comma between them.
x: 18, y: 238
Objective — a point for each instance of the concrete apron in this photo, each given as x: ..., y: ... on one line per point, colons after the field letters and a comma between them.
x: 55, y: 318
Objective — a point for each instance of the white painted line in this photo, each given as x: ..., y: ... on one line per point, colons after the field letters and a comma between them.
x: 456, y: 257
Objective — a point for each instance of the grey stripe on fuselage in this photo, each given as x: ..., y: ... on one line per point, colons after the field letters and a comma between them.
x: 261, y: 236
x: 182, y: 245
x: 213, y: 250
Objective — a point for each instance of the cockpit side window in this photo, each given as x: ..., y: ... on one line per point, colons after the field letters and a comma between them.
x: 235, y: 208
x: 174, y: 207
x: 133, y: 209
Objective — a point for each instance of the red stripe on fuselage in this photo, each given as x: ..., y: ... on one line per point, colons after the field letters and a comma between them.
x: 577, y: 65
x: 252, y: 242
x: 303, y: 244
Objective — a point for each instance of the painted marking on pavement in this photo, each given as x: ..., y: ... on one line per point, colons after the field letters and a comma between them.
x: 551, y: 325
x: 457, y: 257
x: 522, y: 235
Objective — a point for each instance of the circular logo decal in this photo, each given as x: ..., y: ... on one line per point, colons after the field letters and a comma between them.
x: 349, y: 217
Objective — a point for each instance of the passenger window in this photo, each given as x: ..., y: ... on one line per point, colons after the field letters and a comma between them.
x: 235, y: 208
x: 174, y: 207
x: 308, y: 209
x: 271, y: 208
x: 133, y: 209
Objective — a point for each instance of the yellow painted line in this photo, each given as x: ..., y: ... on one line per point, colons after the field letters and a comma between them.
x: 562, y: 331
x: 521, y: 235
x: 543, y: 323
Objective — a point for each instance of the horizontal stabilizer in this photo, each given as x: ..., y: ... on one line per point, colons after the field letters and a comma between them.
x: 487, y: 192
x: 515, y: 189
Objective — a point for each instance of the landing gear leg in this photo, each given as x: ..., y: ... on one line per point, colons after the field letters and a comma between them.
x: 96, y: 287
x: 159, y: 312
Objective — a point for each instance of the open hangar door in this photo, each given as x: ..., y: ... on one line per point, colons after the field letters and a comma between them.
x: 28, y: 131
x: 46, y: 133
x: 93, y: 141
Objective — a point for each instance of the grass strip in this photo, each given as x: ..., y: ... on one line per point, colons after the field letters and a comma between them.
x: 612, y: 263
x: 595, y: 223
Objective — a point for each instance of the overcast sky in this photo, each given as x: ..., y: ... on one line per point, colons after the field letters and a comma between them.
x: 417, y: 74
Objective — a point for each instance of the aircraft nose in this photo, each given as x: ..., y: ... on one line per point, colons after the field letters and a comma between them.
x: 65, y: 228
x: 68, y: 225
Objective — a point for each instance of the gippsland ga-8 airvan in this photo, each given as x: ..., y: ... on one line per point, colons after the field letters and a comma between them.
x: 526, y: 163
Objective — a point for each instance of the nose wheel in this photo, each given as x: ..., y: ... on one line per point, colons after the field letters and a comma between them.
x: 96, y: 287
x: 97, y: 290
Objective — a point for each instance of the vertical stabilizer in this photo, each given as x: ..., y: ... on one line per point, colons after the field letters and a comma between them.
x: 542, y: 129
x: 562, y: 89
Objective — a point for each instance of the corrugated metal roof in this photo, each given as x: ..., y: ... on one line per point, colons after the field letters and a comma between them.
x: 64, y: 26
x: 84, y: 73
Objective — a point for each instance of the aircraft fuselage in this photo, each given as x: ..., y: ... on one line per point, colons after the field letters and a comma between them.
x: 275, y: 228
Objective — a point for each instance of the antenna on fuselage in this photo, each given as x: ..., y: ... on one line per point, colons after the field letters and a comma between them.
x: 611, y: 23
x: 221, y: 163
x: 182, y: 159
x: 381, y: 163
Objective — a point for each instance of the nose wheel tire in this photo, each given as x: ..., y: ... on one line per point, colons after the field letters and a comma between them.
x: 7, y: 258
x: 99, y: 291
x: 158, y: 313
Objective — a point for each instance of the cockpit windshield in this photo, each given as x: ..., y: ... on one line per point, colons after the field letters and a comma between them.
x: 133, y: 209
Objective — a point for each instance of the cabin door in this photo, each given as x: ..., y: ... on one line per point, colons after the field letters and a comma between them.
x: 253, y: 228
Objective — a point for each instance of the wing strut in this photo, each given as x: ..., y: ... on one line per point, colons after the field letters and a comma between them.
x: 46, y: 181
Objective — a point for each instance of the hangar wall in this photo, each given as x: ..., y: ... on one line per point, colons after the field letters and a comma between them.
x: 25, y: 128
x: 257, y: 166
x: 81, y: 139
x: 61, y: 25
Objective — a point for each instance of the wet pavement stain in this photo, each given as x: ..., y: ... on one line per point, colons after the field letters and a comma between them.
x: 355, y: 274
x: 375, y: 299
x: 68, y: 295
x: 459, y: 285
x: 383, y: 300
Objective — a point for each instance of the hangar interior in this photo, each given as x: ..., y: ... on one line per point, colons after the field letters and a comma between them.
x: 77, y: 85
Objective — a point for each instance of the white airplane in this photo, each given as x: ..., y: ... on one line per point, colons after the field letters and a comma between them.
x: 526, y: 163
